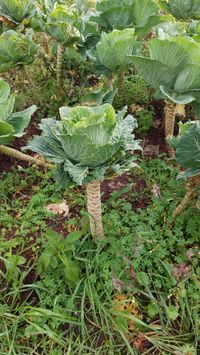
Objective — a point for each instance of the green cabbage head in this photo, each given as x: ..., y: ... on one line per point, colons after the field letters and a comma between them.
x: 16, y: 49
x: 114, y: 50
x: 173, y: 68
x: 182, y: 9
x: 17, y: 10
x: 119, y: 14
x: 88, y: 143
x: 12, y: 124
x: 64, y: 24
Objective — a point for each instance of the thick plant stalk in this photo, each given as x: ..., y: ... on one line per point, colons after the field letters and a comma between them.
x: 120, y: 83
x: 189, y: 196
x: 16, y: 154
x: 60, y: 56
x: 30, y: 80
x: 92, y: 4
x: 46, y: 43
x: 94, y: 208
x: 170, y: 114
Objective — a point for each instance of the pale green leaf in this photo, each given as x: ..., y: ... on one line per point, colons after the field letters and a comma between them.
x: 188, y: 150
x: 4, y: 91
x: 154, y: 72
x: 20, y: 120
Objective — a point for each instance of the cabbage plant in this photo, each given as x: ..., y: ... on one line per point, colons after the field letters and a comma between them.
x: 17, y: 11
x: 182, y: 9
x: 173, y: 69
x: 16, y: 49
x: 113, y: 53
x: 64, y: 24
x: 13, y: 124
x: 88, y: 145
x: 119, y: 14
x: 188, y: 156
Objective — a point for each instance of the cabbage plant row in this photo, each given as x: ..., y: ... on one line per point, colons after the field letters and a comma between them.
x: 93, y: 142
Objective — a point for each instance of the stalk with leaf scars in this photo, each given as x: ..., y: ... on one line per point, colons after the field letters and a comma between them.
x: 121, y: 83
x: 63, y: 23
x: 170, y: 115
x: 188, y: 155
x: 88, y: 145
x: 91, y: 4
x: 60, y: 58
x: 93, y: 191
x: 191, y: 194
x: 16, y: 154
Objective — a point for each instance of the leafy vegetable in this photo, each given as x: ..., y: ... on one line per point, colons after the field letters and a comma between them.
x: 17, y: 10
x: 16, y: 49
x: 11, y: 124
x: 114, y: 49
x: 173, y: 68
x: 182, y: 9
x: 188, y: 151
x: 63, y: 24
x: 88, y: 143
x: 119, y: 14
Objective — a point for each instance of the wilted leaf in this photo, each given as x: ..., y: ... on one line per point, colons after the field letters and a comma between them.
x: 59, y: 208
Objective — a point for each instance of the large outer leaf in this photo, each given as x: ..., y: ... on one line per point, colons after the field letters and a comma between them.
x: 169, y: 53
x: 143, y: 10
x: 20, y: 120
x: 190, y: 46
x: 4, y: 91
x: 188, y: 150
x: 173, y: 69
x: 6, y: 132
x: 115, y: 48
x: 188, y: 79
x: 6, y: 108
x: 49, y: 144
x: 181, y: 98
x: 154, y: 72
x: 11, y: 124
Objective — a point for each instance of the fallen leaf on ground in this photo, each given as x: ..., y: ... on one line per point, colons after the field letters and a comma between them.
x: 156, y: 190
x: 151, y: 150
x: 156, y: 123
x: 59, y: 208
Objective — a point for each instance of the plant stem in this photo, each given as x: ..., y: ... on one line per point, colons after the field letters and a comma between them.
x: 120, y: 83
x: 170, y: 114
x: 30, y: 80
x: 94, y: 208
x: 60, y: 57
x: 16, y: 154
x: 92, y: 4
x: 189, y: 196
x: 46, y: 43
